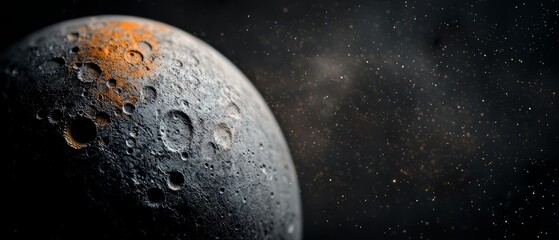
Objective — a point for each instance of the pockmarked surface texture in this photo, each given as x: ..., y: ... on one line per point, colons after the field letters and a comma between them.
x: 125, y: 128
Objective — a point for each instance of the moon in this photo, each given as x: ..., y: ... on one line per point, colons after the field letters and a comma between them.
x: 120, y: 127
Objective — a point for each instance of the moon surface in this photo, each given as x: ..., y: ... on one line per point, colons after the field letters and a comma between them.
x: 125, y: 128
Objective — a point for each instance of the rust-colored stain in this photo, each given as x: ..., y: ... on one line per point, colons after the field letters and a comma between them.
x: 124, y: 51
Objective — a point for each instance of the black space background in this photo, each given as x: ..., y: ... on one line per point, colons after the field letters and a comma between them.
x: 406, y: 119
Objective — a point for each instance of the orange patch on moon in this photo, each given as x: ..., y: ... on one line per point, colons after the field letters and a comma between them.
x: 124, y: 51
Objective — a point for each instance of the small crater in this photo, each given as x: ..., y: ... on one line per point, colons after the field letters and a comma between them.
x: 156, y: 195
x: 222, y: 136
x: 176, y: 130
x: 72, y: 36
x: 128, y: 108
x: 149, y: 94
x: 75, y: 50
x: 80, y: 132
x: 89, y: 72
x: 194, y: 80
x: 221, y: 191
x: 184, y: 156
x: 176, y: 180
x: 133, y: 56
x: 102, y: 118
x: 192, y: 60
x: 52, y: 66
x: 145, y: 45
x: 41, y: 114
x: 133, y: 132
x: 111, y: 83
x: 177, y: 63
x: 131, y: 142
x: 233, y: 111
